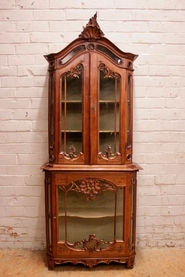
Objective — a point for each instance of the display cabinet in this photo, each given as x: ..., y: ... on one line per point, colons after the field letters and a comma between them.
x: 90, y: 178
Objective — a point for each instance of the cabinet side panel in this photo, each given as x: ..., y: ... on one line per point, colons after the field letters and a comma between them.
x: 48, y: 211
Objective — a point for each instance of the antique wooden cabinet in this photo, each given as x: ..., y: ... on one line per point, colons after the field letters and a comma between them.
x: 90, y: 179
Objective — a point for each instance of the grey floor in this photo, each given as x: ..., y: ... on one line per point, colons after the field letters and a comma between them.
x: 167, y: 262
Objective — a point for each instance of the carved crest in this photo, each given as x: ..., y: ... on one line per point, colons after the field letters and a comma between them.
x: 92, y: 30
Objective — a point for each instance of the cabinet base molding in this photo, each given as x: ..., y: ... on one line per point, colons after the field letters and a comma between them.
x: 91, y: 262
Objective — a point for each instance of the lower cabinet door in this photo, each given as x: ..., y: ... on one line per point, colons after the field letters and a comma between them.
x: 92, y: 218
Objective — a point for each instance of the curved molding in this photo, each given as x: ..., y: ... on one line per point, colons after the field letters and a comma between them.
x: 71, y: 157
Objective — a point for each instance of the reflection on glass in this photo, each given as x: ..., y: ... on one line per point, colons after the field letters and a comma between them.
x: 109, y: 53
x: 71, y: 110
x: 79, y: 217
x: 72, y: 53
x: 109, y: 111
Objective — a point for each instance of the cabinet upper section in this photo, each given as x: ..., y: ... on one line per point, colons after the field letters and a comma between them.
x: 91, y: 38
x: 90, y: 101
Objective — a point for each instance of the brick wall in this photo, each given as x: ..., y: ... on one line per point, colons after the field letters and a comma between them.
x: 153, y: 29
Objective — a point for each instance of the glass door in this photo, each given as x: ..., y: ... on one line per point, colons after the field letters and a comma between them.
x: 109, y: 120
x: 90, y: 214
x: 109, y: 113
x: 71, y: 112
x: 73, y: 125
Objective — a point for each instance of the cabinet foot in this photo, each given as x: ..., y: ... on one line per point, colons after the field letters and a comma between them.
x: 51, y: 263
x: 130, y: 262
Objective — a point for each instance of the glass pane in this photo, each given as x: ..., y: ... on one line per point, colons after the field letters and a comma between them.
x: 109, y: 112
x: 71, y: 111
x: 81, y: 218
x: 90, y: 217
x: 61, y: 214
x: 72, y: 53
x: 73, y: 140
x: 109, y: 53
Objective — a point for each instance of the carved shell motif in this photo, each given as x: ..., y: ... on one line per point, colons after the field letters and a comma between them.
x: 92, y: 30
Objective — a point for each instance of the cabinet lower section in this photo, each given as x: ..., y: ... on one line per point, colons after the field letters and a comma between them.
x: 91, y: 262
x: 90, y: 216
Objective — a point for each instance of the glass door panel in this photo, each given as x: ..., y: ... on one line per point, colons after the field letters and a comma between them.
x: 109, y: 111
x: 71, y: 111
x: 83, y: 217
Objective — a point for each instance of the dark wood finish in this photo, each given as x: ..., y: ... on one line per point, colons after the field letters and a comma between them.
x: 90, y: 103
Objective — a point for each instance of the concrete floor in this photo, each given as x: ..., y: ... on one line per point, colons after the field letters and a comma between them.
x: 149, y: 263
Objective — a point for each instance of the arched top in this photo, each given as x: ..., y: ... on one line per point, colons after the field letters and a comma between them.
x: 91, y: 39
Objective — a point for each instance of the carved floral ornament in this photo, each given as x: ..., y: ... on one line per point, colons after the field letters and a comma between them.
x: 76, y: 71
x: 107, y: 71
x: 90, y: 187
x: 92, y: 30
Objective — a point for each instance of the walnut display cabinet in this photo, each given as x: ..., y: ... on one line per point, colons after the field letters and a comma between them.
x: 90, y: 179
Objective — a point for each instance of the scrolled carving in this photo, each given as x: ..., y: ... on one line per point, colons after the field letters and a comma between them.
x: 108, y: 151
x: 51, y: 65
x: 71, y: 157
x: 72, y: 151
x: 75, y: 72
x: 108, y: 154
x: 91, y: 263
x: 92, y: 187
x: 107, y: 71
x: 92, y: 30
x: 91, y: 244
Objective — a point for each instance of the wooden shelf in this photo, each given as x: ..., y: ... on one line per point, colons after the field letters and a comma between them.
x: 72, y: 102
x: 72, y: 131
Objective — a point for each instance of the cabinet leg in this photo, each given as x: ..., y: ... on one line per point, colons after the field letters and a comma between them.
x: 130, y: 262
x: 51, y: 263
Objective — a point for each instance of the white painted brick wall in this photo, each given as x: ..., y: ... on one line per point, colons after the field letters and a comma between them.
x: 153, y: 29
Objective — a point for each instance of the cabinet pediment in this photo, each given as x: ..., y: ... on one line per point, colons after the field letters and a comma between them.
x: 92, y: 30
x: 91, y: 38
